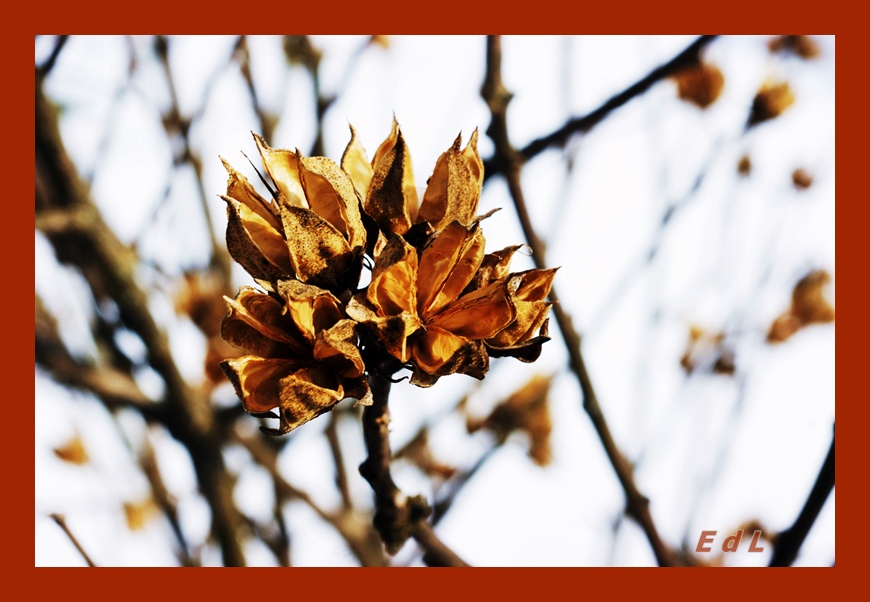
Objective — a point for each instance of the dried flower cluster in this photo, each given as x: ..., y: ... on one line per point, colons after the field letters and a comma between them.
x: 436, y: 303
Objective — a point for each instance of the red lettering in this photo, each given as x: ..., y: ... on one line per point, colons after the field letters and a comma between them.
x: 730, y: 544
x: 754, y: 543
x: 706, y: 537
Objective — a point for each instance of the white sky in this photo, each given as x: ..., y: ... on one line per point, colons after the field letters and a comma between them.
x: 711, y: 456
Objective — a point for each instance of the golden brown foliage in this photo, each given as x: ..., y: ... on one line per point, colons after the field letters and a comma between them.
x: 700, y: 84
x: 808, y: 306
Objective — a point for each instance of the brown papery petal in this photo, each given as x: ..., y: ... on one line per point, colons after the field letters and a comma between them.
x: 535, y: 285
x: 387, y: 145
x: 478, y: 315
x: 305, y: 395
x: 319, y: 253
x: 439, y: 352
x: 494, y: 266
x: 454, y: 188
x: 254, y: 244
x: 266, y: 237
x: 257, y: 380
x: 330, y: 194
x: 447, y: 265
x: 392, y: 195
x: 530, y: 317
x: 312, y: 309
x: 357, y: 166
x: 263, y: 314
x: 240, y: 189
x: 393, y: 287
x: 434, y: 347
x: 337, y: 347
x: 281, y: 165
x: 391, y: 331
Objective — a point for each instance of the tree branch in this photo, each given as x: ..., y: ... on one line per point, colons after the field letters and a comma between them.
x: 61, y: 522
x: 789, y: 542
x: 497, y: 98
x: 397, y: 516
x: 72, y: 223
x: 498, y: 164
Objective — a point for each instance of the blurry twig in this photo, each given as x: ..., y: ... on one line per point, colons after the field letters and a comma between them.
x: 43, y: 70
x: 175, y: 123
x: 61, y: 522
x: 497, y: 98
x: 789, y: 542
x: 338, y: 458
x: 363, y: 543
x: 73, y: 225
x: 397, y: 516
x: 164, y: 499
x: 499, y: 164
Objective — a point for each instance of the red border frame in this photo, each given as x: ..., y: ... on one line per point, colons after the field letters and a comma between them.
x: 453, y: 17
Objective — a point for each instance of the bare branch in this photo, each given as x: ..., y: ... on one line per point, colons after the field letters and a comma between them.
x: 81, y: 238
x: 397, y: 516
x: 789, y: 542
x: 497, y: 164
x: 61, y: 521
x: 497, y: 98
x: 363, y: 543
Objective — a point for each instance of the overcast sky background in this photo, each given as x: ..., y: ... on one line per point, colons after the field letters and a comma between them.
x: 712, y: 451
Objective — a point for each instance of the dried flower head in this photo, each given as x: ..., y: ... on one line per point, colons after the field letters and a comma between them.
x: 770, y: 102
x: 311, y: 230
x: 436, y: 303
x: 301, y: 350
x: 700, y: 84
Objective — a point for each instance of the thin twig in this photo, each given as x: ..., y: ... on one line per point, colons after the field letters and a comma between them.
x: 338, y: 458
x: 397, y: 516
x: 61, y: 522
x: 363, y: 543
x: 497, y: 98
x: 789, y: 542
x: 173, y: 120
x: 43, y: 70
x: 83, y: 239
x: 497, y: 164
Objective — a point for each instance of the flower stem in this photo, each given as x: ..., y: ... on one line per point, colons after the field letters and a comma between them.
x: 397, y: 516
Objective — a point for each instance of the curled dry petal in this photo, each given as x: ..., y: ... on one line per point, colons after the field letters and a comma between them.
x: 454, y: 187
x: 319, y: 253
x: 478, y: 315
x: 256, y: 323
x: 241, y: 190
x: 282, y: 167
x: 312, y: 309
x: 437, y: 352
x: 391, y: 198
x: 447, y: 265
x: 356, y: 164
x: 254, y: 244
x: 529, y: 290
x: 391, y: 331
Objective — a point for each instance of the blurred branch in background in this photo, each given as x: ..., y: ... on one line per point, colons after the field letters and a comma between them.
x: 498, y: 97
